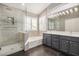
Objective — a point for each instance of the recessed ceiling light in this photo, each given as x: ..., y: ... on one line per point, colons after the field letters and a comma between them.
x: 76, y: 9
x: 71, y: 10
x: 67, y: 12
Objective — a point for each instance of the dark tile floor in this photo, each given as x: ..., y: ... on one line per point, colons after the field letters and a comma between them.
x: 39, y: 51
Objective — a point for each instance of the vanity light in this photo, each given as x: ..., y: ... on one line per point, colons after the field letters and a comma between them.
x: 60, y: 13
x: 71, y: 10
x: 67, y: 12
x: 76, y: 9
x: 64, y: 13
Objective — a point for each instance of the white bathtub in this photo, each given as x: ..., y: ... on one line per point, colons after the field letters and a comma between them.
x: 33, y: 42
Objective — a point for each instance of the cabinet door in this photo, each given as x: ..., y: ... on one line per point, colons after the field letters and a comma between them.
x: 47, y: 39
x: 44, y: 41
x: 64, y: 45
x: 55, y: 44
x: 74, y: 48
x: 55, y: 41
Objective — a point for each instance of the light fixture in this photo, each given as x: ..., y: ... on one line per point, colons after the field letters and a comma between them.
x: 76, y: 9
x: 67, y: 12
x: 71, y: 10
x: 60, y: 13
x: 64, y: 13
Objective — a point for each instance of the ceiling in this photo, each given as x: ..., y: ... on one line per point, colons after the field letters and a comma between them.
x: 35, y: 8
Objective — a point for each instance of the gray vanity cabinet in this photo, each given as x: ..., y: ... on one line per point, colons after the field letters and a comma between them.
x: 67, y: 44
x: 74, y: 48
x: 55, y: 41
x: 47, y: 39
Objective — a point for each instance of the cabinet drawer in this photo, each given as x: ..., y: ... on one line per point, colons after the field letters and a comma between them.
x: 45, y: 36
x: 65, y: 37
x: 55, y: 39
x: 55, y: 36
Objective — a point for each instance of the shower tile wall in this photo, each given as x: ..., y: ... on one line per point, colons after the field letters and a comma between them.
x: 9, y: 31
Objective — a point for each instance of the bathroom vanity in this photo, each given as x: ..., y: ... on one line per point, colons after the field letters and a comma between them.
x: 63, y: 41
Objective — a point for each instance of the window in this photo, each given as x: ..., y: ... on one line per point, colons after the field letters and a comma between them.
x: 31, y: 23
x: 28, y: 23
x: 34, y: 24
x: 51, y: 24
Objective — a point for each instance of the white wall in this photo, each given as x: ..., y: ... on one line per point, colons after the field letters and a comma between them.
x: 43, y: 21
x: 72, y: 25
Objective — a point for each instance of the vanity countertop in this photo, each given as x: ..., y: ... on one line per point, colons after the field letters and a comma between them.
x: 73, y: 34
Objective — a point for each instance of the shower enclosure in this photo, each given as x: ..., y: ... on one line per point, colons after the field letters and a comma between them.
x: 11, y: 23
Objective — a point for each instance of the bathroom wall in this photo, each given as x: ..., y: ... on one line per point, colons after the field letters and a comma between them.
x: 72, y: 25
x: 43, y: 21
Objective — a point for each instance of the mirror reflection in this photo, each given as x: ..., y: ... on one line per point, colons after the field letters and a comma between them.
x: 66, y: 20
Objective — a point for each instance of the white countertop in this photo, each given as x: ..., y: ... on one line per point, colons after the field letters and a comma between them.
x: 65, y: 33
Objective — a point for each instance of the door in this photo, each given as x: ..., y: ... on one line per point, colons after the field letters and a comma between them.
x: 55, y: 41
x: 47, y: 39
x: 64, y: 45
x: 74, y: 48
